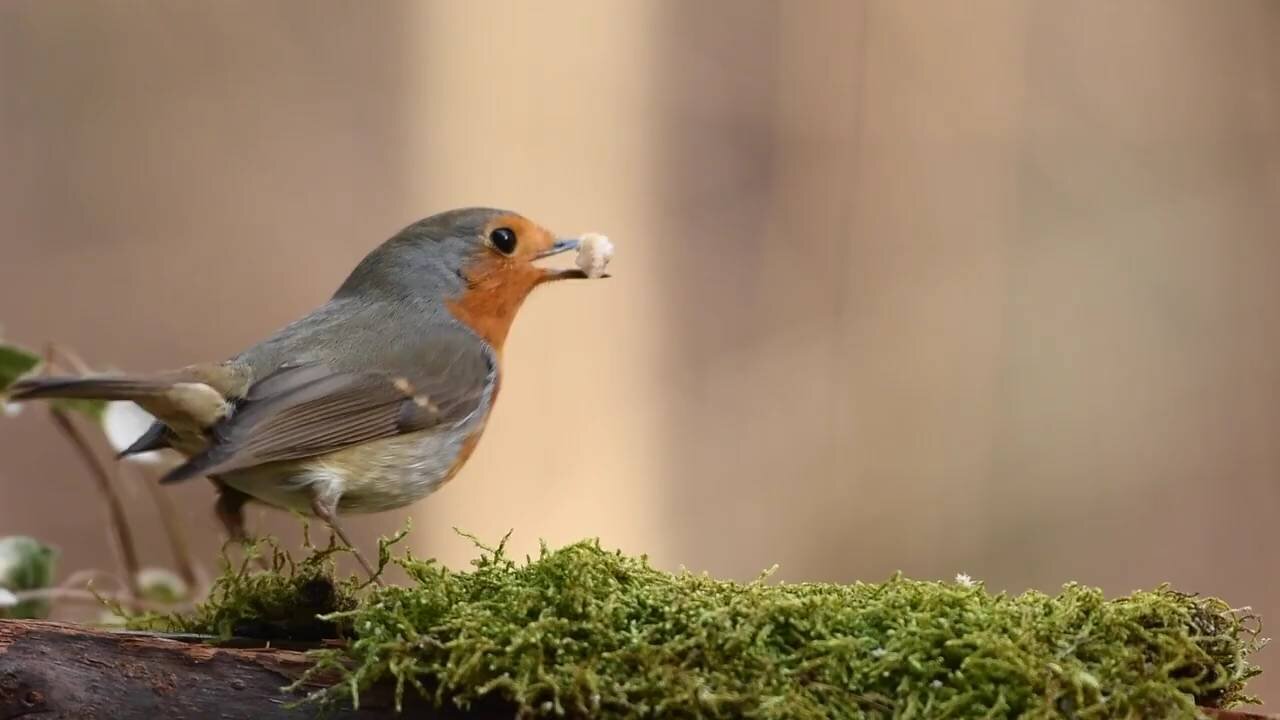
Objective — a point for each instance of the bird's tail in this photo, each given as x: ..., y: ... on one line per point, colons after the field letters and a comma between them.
x: 146, y: 392
x: 88, y: 388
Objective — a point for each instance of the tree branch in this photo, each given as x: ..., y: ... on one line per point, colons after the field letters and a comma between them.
x: 173, y: 531
x: 64, y: 671
x: 95, y: 598
x: 56, y: 671
x: 115, y: 509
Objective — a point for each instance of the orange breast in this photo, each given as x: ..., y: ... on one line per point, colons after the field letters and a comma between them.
x: 496, y: 292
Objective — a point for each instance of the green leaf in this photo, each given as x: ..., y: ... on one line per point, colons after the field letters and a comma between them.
x: 26, y: 564
x: 14, y: 363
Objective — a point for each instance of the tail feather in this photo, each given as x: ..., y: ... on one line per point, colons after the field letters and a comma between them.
x: 191, y: 469
x: 157, y: 437
x: 87, y: 388
x: 182, y: 408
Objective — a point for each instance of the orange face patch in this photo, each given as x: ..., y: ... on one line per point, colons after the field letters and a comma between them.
x: 531, y: 238
x: 498, y: 283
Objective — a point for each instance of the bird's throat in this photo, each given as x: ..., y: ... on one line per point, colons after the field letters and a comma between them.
x: 493, y: 297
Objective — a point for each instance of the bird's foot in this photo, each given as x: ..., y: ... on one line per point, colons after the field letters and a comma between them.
x: 329, y: 515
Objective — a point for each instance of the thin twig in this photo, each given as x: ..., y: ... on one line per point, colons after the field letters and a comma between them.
x: 81, y: 577
x: 55, y: 355
x: 59, y: 356
x: 169, y: 520
x: 91, y: 597
x: 118, y: 521
x: 53, y: 351
x: 178, y: 545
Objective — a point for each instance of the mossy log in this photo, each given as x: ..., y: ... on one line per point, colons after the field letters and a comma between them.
x: 54, y: 670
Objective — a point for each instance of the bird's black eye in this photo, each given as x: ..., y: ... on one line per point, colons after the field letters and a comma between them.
x: 503, y: 239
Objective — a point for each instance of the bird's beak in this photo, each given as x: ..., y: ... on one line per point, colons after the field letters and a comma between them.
x: 561, y: 246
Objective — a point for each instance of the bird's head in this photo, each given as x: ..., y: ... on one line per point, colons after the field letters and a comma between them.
x: 481, y: 263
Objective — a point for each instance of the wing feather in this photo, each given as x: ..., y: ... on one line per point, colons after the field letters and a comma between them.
x: 307, y: 410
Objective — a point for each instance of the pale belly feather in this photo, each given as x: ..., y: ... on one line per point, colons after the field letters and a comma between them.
x: 373, y: 477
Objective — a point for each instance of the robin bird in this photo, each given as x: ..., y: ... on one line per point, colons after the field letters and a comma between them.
x: 370, y: 402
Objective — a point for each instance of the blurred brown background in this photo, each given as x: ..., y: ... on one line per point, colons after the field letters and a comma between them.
x: 983, y: 287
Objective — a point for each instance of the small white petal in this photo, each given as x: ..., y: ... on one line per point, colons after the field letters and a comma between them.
x: 7, y: 599
x: 965, y: 580
x: 124, y: 422
x: 9, y: 409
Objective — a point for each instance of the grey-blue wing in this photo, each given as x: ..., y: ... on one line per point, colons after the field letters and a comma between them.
x: 309, y: 409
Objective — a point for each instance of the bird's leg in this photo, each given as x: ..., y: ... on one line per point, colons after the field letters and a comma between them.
x: 230, y: 511
x: 326, y: 508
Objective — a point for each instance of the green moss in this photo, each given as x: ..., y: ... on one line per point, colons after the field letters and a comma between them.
x: 290, y: 601
x: 583, y: 632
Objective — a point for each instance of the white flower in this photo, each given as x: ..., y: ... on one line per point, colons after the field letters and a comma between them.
x: 965, y: 580
x: 9, y: 409
x: 124, y: 422
x: 7, y: 599
x: 594, y: 253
